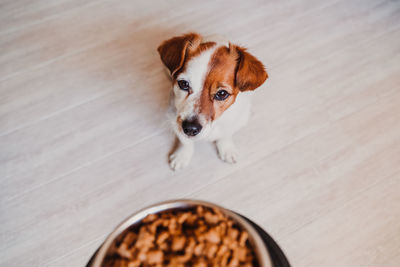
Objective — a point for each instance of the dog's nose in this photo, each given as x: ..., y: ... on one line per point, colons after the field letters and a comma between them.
x: 191, y: 128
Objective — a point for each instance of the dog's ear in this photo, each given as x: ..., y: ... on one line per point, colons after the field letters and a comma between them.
x: 250, y: 72
x: 173, y: 51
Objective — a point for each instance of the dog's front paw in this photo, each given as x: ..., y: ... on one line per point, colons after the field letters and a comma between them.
x: 227, y: 151
x: 180, y: 158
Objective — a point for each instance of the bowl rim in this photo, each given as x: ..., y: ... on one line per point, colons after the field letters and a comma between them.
x: 260, y: 248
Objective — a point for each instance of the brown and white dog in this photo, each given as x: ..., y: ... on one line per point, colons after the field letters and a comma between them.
x: 210, y: 97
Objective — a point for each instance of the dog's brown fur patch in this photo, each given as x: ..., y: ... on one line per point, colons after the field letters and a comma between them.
x: 221, y: 74
x: 231, y: 69
x: 176, y: 51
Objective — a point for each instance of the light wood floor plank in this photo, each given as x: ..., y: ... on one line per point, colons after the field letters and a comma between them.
x: 365, y: 232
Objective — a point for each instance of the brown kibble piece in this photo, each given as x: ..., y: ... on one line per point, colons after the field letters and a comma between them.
x: 200, y: 263
x: 233, y: 233
x: 200, y: 210
x: 174, y: 262
x: 211, y: 218
x: 222, y: 250
x: 190, y: 246
x: 162, y: 238
x: 183, y: 217
x: 129, y: 238
x: 191, y: 219
x: 178, y: 242
x: 145, y: 239
x: 199, y: 249
x: 211, y: 251
x: 213, y: 236
x: 234, y: 262
x: 164, y: 246
x: 225, y: 258
x: 154, y: 225
x: 142, y: 256
x: 243, y: 238
x: 155, y: 257
x: 173, y: 225
x: 135, y: 263
x: 124, y: 252
x: 150, y: 218
x: 240, y: 253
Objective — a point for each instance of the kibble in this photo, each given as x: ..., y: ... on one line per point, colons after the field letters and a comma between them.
x: 198, y: 236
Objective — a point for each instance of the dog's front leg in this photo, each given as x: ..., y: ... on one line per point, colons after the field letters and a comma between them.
x: 227, y: 150
x: 182, y: 155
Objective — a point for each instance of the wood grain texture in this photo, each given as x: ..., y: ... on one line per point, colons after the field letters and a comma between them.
x: 84, y: 138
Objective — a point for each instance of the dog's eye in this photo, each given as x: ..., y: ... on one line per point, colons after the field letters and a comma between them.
x: 184, y: 85
x: 221, y: 95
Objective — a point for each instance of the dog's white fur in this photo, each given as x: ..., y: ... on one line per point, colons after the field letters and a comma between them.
x: 220, y: 130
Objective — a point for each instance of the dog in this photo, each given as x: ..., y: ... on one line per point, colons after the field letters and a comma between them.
x: 212, y: 81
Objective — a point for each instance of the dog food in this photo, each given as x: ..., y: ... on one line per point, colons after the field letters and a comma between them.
x: 198, y: 237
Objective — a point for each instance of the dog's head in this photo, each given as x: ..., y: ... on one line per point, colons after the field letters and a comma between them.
x: 207, y: 78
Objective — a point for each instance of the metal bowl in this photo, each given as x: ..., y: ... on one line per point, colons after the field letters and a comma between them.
x: 261, y: 251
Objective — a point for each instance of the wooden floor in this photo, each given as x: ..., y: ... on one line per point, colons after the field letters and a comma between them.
x: 84, y: 138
